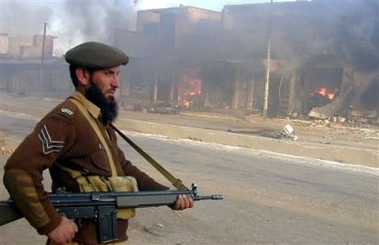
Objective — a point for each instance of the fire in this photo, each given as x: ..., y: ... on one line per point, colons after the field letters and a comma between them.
x: 194, y: 87
x: 325, y: 92
x: 190, y: 87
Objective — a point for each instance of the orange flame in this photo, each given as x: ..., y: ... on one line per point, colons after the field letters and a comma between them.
x: 189, y: 86
x: 324, y: 92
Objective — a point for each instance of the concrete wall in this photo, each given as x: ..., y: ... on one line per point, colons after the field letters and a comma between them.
x: 4, y: 44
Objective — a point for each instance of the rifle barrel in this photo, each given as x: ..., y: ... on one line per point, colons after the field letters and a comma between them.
x: 211, y: 197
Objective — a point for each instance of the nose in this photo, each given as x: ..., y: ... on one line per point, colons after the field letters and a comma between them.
x: 115, y: 81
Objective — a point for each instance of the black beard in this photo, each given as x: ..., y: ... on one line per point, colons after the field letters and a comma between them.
x: 108, y: 107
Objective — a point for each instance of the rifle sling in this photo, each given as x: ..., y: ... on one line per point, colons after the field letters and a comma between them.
x: 174, y: 181
x: 96, y: 128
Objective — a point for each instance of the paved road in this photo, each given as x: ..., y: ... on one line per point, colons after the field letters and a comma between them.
x: 269, y: 198
x: 334, y: 142
x: 272, y: 199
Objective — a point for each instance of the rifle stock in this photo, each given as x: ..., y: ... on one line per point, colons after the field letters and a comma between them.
x: 97, y: 205
x: 9, y: 212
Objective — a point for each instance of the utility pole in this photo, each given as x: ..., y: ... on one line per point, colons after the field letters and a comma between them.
x: 268, y: 58
x: 42, y: 57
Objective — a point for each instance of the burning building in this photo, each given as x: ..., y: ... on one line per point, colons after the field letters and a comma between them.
x: 323, y: 58
x: 323, y: 63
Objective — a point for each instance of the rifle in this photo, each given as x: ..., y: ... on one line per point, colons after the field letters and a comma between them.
x: 102, y: 206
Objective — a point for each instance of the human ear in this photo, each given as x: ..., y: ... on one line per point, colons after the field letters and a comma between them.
x: 83, y: 76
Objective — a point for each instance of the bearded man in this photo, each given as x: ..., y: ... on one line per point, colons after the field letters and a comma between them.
x: 78, y: 146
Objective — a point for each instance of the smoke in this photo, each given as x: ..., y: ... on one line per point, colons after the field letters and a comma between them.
x: 347, y: 31
x: 71, y: 21
x: 357, y: 36
x: 19, y: 17
x: 353, y: 34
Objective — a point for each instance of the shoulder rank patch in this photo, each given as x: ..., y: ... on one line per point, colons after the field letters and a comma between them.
x: 49, y: 145
x: 67, y: 111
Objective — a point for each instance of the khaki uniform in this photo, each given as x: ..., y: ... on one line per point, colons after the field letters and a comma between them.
x: 64, y: 137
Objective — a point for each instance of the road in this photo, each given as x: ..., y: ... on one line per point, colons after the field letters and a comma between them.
x: 269, y: 198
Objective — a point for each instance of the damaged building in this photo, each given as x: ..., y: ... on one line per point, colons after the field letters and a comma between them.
x: 322, y: 59
x: 27, y: 70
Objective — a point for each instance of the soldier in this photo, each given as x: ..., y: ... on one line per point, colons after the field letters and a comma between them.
x: 75, y: 142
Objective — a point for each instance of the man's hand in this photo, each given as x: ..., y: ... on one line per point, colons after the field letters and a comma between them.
x: 183, y: 202
x: 64, y: 233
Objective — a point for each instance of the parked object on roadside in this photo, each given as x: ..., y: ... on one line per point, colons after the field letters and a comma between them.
x: 287, y: 132
x: 160, y: 108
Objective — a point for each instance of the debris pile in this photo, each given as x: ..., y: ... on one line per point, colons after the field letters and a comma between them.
x: 287, y: 132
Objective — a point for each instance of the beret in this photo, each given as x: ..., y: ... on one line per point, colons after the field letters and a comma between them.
x: 94, y: 55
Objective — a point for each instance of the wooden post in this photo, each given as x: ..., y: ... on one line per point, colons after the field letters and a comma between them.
x: 235, y: 93
x: 250, y: 94
x: 42, y: 59
x: 292, y: 92
x: 154, y: 94
x: 267, y: 83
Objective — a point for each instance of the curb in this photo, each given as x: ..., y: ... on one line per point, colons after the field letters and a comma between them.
x: 356, y: 156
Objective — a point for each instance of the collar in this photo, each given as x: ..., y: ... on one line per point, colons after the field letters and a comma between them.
x: 91, y: 107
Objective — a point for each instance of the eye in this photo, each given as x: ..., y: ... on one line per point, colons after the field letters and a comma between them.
x: 108, y: 73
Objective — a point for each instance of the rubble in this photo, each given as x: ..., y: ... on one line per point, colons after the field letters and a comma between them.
x: 317, y: 115
x: 287, y: 133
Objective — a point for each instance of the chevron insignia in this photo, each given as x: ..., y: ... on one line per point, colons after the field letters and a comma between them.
x: 49, y: 145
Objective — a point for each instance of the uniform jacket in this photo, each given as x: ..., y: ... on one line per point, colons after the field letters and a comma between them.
x: 64, y: 136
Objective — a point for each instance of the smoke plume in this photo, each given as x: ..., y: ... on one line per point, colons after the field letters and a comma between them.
x: 71, y: 21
